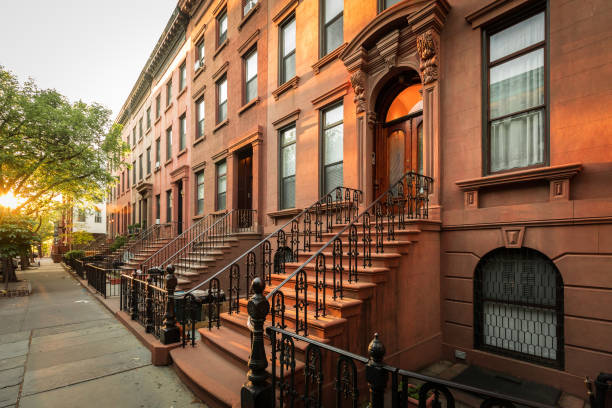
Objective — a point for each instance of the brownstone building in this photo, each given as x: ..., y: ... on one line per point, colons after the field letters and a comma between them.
x: 503, y: 103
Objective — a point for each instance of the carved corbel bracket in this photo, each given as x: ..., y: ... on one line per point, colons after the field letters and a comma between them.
x: 387, y: 48
x: 358, y: 81
x: 371, y: 119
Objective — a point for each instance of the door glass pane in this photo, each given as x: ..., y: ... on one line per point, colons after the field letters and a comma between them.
x: 396, y: 149
x: 420, y: 149
x: 517, y: 37
x: 517, y: 141
x: 517, y: 84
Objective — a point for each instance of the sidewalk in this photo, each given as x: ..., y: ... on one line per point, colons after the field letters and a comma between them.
x: 59, y: 347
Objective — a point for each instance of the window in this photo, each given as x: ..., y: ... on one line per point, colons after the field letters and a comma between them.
x: 287, y: 167
x: 182, y: 133
x: 149, y: 160
x: 140, y: 167
x: 134, y: 213
x: 127, y: 140
x: 149, y: 117
x: 331, y: 25
x: 200, y: 118
x: 168, y: 143
x: 250, y: 73
x: 157, y: 106
x: 157, y: 152
x: 287, y: 50
x: 221, y: 184
x: 182, y: 77
x: 127, y: 179
x: 134, y: 136
x: 169, y: 206
x: 199, y: 57
x: 134, y: 172
x: 157, y: 207
x: 140, y: 129
x: 222, y: 99
x: 81, y: 216
x: 169, y: 93
x: 98, y: 217
x: 516, y: 95
x: 200, y: 192
x: 122, y: 181
x: 518, y: 306
x: 385, y: 4
x: 332, y: 149
x: 248, y: 5
x: 221, y: 27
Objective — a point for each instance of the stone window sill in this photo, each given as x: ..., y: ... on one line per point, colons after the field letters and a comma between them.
x: 157, y: 120
x: 329, y: 58
x: 289, y: 212
x: 558, y: 177
x: 198, y: 217
x: 158, y: 168
x: 220, y: 125
x: 148, y: 130
x: 249, y: 105
x: 168, y: 162
x: 169, y: 107
x: 248, y: 15
x: 290, y: 84
x: 182, y: 152
x: 182, y: 92
x: 197, y: 73
x: 199, y: 140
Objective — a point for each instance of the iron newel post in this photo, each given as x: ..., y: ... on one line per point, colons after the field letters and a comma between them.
x: 376, y: 374
x: 170, y: 333
x: 257, y: 391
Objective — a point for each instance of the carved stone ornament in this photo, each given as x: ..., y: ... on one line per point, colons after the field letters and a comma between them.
x: 426, y: 47
x: 358, y: 81
x: 371, y: 119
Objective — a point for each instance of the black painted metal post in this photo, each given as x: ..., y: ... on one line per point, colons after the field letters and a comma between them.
x: 376, y: 374
x: 134, y: 298
x: 603, y: 388
x: 149, y: 306
x: 170, y: 333
x: 257, y: 391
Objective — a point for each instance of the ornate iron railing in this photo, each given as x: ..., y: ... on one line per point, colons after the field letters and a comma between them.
x: 107, y: 282
x: 360, y: 379
x: 145, y: 300
x: 407, y: 198
x: 175, y: 245
x: 269, y: 255
x: 144, y: 240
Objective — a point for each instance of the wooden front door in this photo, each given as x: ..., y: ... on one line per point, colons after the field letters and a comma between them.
x: 245, y: 187
x: 399, y: 149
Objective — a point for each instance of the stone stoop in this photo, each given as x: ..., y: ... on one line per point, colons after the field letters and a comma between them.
x: 216, y: 367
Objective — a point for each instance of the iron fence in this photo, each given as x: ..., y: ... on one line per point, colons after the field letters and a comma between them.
x: 106, y: 282
x: 144, y: 300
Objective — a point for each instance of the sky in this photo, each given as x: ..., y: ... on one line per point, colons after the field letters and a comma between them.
x: 89, y: 50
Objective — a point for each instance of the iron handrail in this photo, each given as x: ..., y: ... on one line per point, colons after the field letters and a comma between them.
x: 141, y: 237
x: 221, y: 220
x: 178, y: 237
x: 406, y: 373
x: 268, y: 237
x: 344, y: 229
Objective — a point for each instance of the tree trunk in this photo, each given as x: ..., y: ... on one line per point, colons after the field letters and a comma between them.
x: 8, y: 271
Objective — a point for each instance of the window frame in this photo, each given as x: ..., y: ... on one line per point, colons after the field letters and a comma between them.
x: 140, y: 128
x: 158, y: 207
x: 149, y: 117
x: 322, y: 166
x: 217, y: 179
x: 281, y: 178
x: 198, y: 210
x: 221, y: 39
x: 515, y: 17
x: 218, y: 83
x: 140, y: 175
x: 182, y: 76
x: 169, y: 143
x: 169, y: 92
x: 182, y: 132
x: 134, y: 173
x: 281, y: 60
x: 169, y: 208
x: 148, y: 160
x: 199, y: 59
x: 158, y: 106
x: 200, y: 129
x: 245, y: 85
x: 157, y: 152
x: 323, y: 28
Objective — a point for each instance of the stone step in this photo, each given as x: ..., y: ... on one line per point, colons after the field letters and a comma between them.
x: 373, y: 274
x: 340, y: 307
x: 385, y: 259
x: 354, y: 290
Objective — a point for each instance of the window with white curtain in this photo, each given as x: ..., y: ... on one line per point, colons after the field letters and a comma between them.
x: 517, y: 86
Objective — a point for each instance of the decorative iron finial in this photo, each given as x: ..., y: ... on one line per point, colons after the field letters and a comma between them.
x: 376, y: 349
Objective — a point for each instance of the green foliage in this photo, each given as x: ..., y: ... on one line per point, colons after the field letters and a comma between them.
x: 75, y: 254
x: 16, y: 234
x: 119, y: 241
x: 82, y: 237
x: 50, y: 147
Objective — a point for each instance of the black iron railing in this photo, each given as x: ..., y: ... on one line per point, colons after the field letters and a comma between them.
x: 269, y: 255
x: 107, y: 282
x: 406, y: 199
x: 145, y: 300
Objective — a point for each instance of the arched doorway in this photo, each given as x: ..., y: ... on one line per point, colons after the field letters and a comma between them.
x: 518, y: 306
x: 398, y: 135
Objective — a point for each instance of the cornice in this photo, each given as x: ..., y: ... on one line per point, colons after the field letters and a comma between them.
x: 539, y: 173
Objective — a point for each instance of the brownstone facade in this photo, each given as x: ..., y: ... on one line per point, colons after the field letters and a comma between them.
x: 532, y: 218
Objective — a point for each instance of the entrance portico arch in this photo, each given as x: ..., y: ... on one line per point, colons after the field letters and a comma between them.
x: 404, y: 38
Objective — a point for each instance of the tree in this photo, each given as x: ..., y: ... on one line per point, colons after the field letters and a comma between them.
x: 54, y: 151
x: 81, y: 238
x: 17, y: 237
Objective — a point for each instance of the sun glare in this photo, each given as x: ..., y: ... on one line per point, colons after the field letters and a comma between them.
x: 9, y: 200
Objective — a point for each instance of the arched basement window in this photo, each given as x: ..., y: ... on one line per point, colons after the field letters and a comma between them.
x: 518, y: 305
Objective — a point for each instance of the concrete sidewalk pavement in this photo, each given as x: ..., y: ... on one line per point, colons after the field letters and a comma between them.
x: 59, y: 347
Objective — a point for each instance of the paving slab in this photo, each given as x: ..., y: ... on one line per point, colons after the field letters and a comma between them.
x: 8, y: 396
x: 13, y: 337
x: 11, y: 377
x: 16, y: 349
x: 12, y: 362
